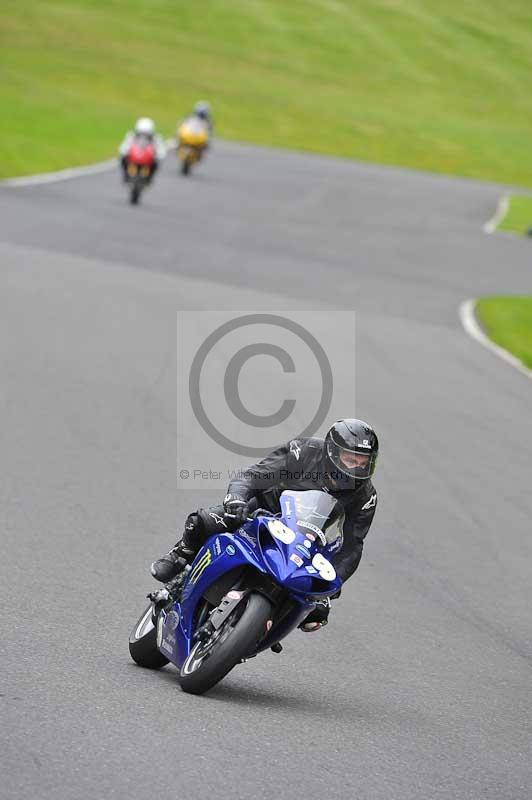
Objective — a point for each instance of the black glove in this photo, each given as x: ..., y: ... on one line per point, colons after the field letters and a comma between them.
x: 236, y: 507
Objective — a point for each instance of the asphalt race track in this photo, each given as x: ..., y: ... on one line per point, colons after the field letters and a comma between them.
x: 420, y: 687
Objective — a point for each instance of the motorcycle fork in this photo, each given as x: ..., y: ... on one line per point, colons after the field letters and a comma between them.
x: 219, y: 614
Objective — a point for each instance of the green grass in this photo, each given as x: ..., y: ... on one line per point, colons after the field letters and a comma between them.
x: 419, y: 83
x: 518, y: 218
x: 508, y: 321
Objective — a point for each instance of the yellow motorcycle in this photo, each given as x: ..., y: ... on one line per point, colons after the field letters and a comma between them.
x: 192, y: 140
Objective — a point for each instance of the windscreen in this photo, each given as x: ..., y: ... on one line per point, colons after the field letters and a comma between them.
x: 313, y: 513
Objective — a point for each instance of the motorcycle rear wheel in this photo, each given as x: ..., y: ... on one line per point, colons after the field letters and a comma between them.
x: 143, y: 643
x: 185, y: 166
x: 210, y: 661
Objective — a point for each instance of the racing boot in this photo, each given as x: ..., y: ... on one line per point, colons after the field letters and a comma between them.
x: 171, y: 564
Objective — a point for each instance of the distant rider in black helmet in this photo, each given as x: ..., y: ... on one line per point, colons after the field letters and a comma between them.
x: 202, y: 110
x: 201, y: 116
x: 342, y: 464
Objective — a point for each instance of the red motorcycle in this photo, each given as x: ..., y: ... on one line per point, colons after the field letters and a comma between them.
x: 140, y: 166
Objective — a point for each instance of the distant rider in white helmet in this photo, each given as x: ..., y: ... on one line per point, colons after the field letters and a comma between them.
x: 144, y: 130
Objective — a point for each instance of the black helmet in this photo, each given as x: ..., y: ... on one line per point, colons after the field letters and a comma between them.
x: 345, y: 443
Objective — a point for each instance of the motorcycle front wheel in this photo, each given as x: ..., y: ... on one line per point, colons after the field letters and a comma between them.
x: 143, y: 643
x: 210, y: 660
x: 135, y: 195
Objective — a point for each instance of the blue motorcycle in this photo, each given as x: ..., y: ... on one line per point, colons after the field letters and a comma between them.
x: 244, y: 592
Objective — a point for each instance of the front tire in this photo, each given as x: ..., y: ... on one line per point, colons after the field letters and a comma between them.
x: 210, y: 661
x: 135, y: 194
x: 143, y: 643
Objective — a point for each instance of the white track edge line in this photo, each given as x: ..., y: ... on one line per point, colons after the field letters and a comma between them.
x: 67, y: 174
x: 60, y: 175
x: 502, y: 209
x: 469, y: 321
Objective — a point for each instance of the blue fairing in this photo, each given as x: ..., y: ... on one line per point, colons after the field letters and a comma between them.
x: 273, y: 546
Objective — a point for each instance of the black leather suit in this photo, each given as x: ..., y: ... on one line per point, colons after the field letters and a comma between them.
x: 298, y: 465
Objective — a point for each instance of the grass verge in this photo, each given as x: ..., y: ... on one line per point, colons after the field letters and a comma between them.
x: 417, y: 83
x: 508, y: 322
x: 518, y: 218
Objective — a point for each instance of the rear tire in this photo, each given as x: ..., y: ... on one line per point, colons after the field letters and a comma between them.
x: 208, y: 663
x: 143, y: 643
x: 185, y: 166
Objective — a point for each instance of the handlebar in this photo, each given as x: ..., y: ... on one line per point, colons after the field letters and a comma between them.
x: 261, y: 512
x: 253, y: 515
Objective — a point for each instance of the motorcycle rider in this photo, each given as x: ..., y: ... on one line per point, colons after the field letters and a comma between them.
x: 200, y: 119
x: 144, y: 130
x: 202, y: 111
x: 342, y: 465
